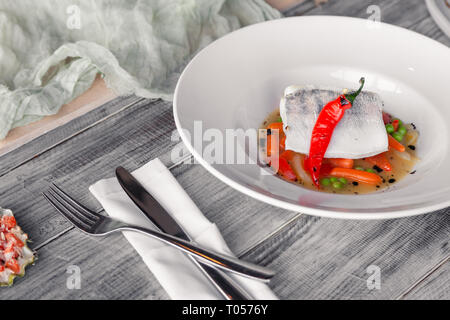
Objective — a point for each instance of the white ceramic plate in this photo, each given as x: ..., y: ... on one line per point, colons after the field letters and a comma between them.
x: 237, y: 80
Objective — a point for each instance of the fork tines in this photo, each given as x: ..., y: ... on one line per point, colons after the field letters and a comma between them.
x: 80, y: 216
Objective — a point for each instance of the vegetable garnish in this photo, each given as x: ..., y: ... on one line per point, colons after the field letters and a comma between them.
x: 14, y: 253
x: 380, y: 161
x: 356, y: 175
x: 326, y: 122
x: 393, y: 143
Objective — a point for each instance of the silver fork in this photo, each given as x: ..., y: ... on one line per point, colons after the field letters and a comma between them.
x: 98, y: 225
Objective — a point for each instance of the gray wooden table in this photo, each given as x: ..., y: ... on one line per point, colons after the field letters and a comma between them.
x: 314, y: 257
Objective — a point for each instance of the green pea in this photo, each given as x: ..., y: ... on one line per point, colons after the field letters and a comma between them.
x: 402, y: 130
x: 280, y: 120
x: 370, y: 170
x: 338, y: 185
x: 359, y: 168
x: 390, y: 128
x: 333, y: 179
x: 325, y: 182
x: 397, y: 136
x: 343, y: 180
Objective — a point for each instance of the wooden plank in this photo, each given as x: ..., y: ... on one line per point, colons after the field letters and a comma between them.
x: 430, y: 29
x: 41, y: 143
x: 392, y: 11
x: 129, y: 138
x: 434, y: 287
x: 82, y: 160
x: 109, y: 269
x: 318, y: 258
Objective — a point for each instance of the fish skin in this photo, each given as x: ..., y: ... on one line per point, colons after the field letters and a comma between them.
x: 360, y: 133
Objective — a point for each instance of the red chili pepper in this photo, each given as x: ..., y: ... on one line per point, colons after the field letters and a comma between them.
x: 395, y: 124
x: 328, y: 119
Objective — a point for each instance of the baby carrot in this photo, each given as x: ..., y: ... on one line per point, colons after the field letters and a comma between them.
x: 380, y: 161
x: 276, y: 126
x: 341, y: 162
x: 356, y: 175
x: 395, y: 144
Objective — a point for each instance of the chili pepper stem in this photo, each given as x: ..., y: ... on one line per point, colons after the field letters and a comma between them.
x: 352, y: 96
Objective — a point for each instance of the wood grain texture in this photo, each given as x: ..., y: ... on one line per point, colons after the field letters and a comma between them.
x: 314, y: 257
x: 318, y: 258
x: 434, y: 287
x: 38, y: 145
x: 109, y: 269
x: 94, y: 154
x: 334, y: 259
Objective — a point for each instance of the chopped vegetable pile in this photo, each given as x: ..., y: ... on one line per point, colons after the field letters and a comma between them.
x: 14, y: 253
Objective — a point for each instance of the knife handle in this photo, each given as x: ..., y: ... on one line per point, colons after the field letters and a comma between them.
x: 211, y: 257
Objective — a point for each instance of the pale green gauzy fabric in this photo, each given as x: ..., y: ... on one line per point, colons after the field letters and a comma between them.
x: 52, y: 50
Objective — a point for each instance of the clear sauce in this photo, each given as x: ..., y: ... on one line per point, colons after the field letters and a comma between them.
x: 400, y: 167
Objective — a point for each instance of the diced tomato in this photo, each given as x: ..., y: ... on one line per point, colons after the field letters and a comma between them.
x: 325, y: 170
x: 10, y: 237
x: 13, y: 265
x: 285, y: 169
x: 9, y: 222
x: 2, y: 268
x: 288, y: 155
x: 11, y: 249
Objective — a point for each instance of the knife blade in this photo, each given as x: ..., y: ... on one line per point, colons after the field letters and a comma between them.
x: 153, y: 210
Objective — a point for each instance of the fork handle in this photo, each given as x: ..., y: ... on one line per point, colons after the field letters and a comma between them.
x: 211, y: 257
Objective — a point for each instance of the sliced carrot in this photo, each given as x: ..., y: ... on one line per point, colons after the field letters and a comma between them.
x: 273, y: 146
x: 341, y: 162
x: 276, y: 126
x: 356, y: 175
x: 395, y: 144
x: 380, y: 161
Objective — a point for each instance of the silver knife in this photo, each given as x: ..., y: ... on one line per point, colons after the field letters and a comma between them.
x: 225, y: 284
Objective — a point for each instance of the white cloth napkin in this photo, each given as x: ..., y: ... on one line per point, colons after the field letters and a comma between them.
x: 176, y: 273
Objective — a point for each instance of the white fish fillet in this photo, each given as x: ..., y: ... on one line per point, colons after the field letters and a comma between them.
x: 361, y: 132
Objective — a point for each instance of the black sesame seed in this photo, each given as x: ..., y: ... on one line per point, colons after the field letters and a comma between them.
x: 412, y: 147
x: 413, y: 172
x: 377, y: 168
x: 384, y: 180
x: 269, y: 132
x: 391, y: 180
x: 413, y: 125
x: 355, y: 183
x: 378, y: 186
